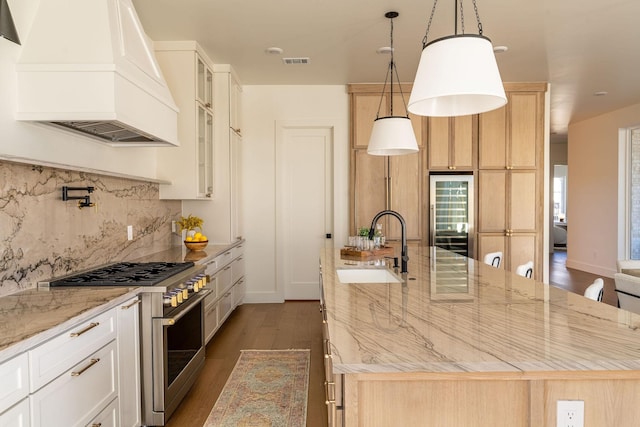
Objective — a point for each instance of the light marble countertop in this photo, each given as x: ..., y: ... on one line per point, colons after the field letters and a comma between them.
x: 30, y: 317
x: 454, y: 314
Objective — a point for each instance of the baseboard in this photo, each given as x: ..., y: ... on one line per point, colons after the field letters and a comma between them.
x: 590, y: 268
x: 262, y: 298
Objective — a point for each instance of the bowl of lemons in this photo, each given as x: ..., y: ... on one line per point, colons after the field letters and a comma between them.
x: 197, y: 242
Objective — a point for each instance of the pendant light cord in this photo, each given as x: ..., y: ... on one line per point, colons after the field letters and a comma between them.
x: 390, y: 70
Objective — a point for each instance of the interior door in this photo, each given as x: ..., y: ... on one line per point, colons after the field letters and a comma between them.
x: 304, y: 206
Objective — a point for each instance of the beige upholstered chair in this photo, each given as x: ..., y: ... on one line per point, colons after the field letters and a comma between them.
x: 493, y: 259
x: 628, y: 290
x: 628, y: 266
x: 525, y: 270
x: 595, y: 290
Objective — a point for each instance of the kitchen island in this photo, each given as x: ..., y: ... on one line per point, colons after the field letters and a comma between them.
x: 458, y: 343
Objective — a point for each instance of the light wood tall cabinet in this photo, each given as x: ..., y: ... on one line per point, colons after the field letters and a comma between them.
x: 383, y: 182
x: 503, y: 149
x: 189, y: 167
x: 510, y: 178
x: 452, y: 143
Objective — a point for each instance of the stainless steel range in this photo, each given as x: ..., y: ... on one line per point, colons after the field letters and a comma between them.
x: 171, y: 327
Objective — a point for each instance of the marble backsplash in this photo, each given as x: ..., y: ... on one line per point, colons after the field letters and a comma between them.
x: 43, y: 236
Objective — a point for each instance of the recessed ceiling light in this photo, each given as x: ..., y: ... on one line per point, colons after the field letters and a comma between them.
x: 500, y: 49
x: 600, y: 93
x: 274, y: 50
x: 384, y: 49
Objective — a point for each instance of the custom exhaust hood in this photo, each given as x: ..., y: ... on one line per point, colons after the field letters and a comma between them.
x: 89, y: 67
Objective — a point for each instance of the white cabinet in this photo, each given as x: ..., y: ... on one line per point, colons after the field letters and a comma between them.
x: 86, y: 375
x: 225, y: 210
x: 128, y: 340
x: 14, y: 377
x: 190, y: 167
x: 17, y: 415
x: 226, y: 281
x: 77, y: 395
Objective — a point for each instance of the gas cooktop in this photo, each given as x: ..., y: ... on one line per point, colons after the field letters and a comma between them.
x: 125, y: 274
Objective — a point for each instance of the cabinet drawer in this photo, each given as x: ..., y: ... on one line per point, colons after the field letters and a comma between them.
x: 210, y: 320
x: 239, y: 290
x: 107, y: 418
x: 14, y: 380
x: 79, y: 394
x: 237, y: 269
x: 17, y: 416
x: 224, y: 258
x: 56, y: 356
x: 225, y: 306
x: 236, y: 251
x: 223, y: 280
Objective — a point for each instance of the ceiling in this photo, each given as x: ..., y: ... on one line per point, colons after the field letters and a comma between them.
x: 579, y: 46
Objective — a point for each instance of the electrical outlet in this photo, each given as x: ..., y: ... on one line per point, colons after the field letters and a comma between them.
x: 129, y: 232
x: 570, y: 413
x: 173, y: 227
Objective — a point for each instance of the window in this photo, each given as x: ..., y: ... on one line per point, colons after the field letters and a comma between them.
x: 634, y: 195
x: 560, y: 193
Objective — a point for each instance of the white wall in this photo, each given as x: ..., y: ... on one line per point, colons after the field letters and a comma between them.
x: 592, y: 208
x: 48, y: 145
x: 262, y: 107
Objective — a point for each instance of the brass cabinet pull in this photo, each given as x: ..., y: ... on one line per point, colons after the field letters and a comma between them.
x: 96, y: 425
x: 128, y: 306
x: 87, y: 329
x: 91, y: 363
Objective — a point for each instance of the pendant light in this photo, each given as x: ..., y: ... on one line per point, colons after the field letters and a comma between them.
x: 458, y: 74
x: 7, y: 27
x: 392, y: 135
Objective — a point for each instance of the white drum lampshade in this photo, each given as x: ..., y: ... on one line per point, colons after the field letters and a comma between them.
x: 392, y: 136
x: 457, y: 75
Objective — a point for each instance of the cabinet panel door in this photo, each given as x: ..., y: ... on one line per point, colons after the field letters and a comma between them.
x: 364, y: 110
x: 523, y: 129
x: 522, y: 249
x: 370, y: 191
x: 492, y: 143
x: 438, y: 143
x: 405, y: 187
x: 522, y: 206
x: 492, y: 191
x: 463, y: 142
x: 491, y: 242
x: 129, y: 364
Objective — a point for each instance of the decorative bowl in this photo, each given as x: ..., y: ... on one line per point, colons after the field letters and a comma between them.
x: 196, y: 246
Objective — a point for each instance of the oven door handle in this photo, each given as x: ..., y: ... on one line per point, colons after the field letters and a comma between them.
x: 170, y: 321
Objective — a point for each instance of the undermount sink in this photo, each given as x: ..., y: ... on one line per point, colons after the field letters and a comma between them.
x: 366, y: 275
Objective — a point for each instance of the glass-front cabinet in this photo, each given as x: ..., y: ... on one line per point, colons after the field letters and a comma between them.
x: 188, y: 170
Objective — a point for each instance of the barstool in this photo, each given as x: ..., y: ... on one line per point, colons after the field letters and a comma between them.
x: 595, y: 290
x: 525, y: 270
x: 493, y: 259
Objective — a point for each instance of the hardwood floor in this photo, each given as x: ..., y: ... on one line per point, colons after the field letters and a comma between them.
x: 294, y: 324
x: 576, y: 280
x: 297, y: 324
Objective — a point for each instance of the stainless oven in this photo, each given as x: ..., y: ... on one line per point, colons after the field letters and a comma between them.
x: 171, y: 327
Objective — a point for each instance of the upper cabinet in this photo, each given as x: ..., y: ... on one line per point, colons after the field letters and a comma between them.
x: 225, y: 210
x: 190, y: 167
x: 452, y: 142
x: 511, y: 136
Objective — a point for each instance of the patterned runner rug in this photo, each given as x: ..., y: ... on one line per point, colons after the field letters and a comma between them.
x: 265, y: 388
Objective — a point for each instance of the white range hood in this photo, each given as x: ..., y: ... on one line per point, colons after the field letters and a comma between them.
x: 88, y: 66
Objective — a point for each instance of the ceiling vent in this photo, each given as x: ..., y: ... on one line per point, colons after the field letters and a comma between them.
x: 291, y: 61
